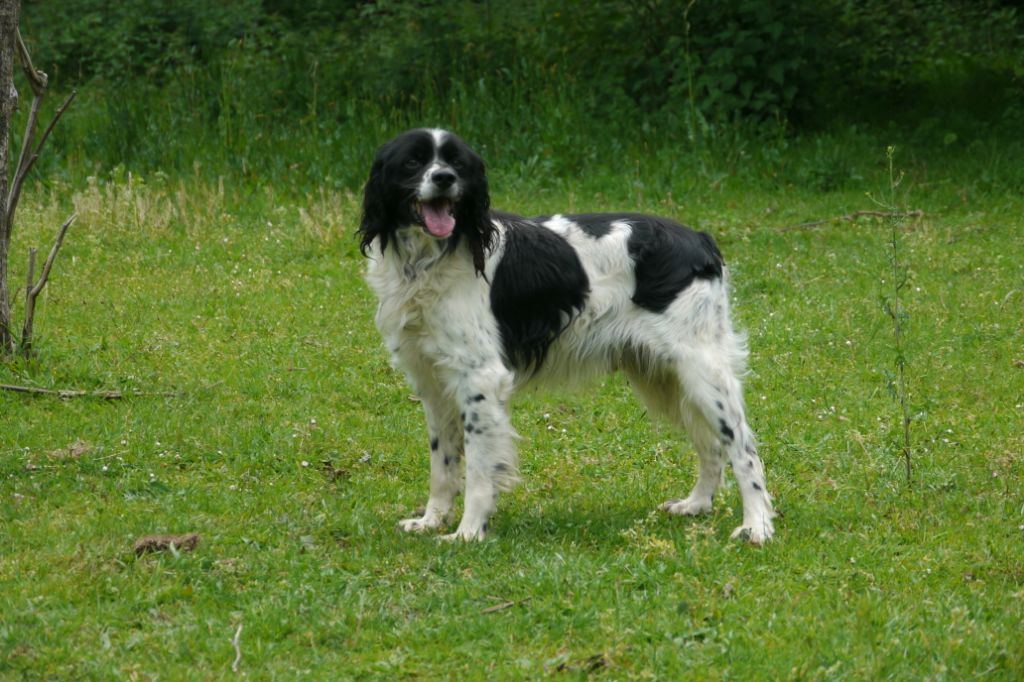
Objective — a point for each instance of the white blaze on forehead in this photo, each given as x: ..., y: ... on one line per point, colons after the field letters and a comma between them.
x: 438, y: 136
x: 425, y: 189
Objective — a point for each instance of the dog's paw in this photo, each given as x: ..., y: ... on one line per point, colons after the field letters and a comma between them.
x: 421, y: 524
x: 755, y: 533
x: 416, y: 525
x: 464, y: 535
x: 688, y: 507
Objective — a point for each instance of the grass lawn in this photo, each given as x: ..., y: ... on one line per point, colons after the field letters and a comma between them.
x: 293, y: 449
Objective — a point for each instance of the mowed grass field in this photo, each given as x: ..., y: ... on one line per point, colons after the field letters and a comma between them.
x: 292, y: 448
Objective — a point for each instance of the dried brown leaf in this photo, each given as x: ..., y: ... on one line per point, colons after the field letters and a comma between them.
x: 163, y: 543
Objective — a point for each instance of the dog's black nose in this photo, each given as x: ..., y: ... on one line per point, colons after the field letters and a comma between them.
x: 443, y: 179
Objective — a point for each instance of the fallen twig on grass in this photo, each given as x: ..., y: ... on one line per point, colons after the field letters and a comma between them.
x: 850, y: 217
x: 238, y: 649
x: 74, y: 393
x: 502, y: 606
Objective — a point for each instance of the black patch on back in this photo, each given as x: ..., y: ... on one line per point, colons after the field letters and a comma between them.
x: 667, y: 258
x: 539, y: 285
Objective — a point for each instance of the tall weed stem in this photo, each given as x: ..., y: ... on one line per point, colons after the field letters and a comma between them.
x: 897, y: 313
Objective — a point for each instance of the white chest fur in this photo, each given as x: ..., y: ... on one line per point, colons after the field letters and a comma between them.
x: 433, y: 307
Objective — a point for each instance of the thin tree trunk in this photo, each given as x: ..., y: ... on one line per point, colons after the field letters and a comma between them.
x: 9, y: 10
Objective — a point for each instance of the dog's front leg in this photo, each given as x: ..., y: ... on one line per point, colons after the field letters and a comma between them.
x: 491, y: 463
x: 445, y: 431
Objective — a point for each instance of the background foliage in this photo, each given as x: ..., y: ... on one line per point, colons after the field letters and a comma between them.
x: 237, y: 82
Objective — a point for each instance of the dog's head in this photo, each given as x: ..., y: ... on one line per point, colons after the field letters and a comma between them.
x: 429, y: 180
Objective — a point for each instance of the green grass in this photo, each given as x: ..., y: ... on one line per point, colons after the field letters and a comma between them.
x: 293, y: 448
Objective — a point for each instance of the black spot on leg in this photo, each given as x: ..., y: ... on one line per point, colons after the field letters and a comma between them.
x: 726, y: 431
x: 750, y: 464
x: 477, y: 398
x: 447, y: 460
x: 756, y: 486
x: 434, y: 443
x: 469, y: 428
x: 473, y: 417
x: 720, y: 406
x: 500, y: 468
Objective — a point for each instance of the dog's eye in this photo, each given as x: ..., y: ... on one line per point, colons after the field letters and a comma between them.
x: 412, y: 163
x: 457, y: 164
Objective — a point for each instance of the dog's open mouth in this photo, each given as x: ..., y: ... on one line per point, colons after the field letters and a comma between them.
x: 436, y: 215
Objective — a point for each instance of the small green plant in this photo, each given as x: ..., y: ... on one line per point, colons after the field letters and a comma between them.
x: 894, y: 307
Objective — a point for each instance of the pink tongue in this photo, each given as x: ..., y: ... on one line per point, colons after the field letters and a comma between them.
x: 439, y: 222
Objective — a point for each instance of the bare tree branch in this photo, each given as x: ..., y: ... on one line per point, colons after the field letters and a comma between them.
x: 26, y: 143
x: 56, y: 117
x: 53, y: 255
x: 34, y: 288
x: 13, y: 46
x: 37, y: 79
x: 27, y: 161
x: 30, y: 276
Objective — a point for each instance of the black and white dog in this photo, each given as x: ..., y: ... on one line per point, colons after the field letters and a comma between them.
x: 474, y: 304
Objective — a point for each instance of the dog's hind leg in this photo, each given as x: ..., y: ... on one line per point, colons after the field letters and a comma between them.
x: 711, y: 385
x: 445, y: 433
x: 709, y: 475
x: 660, y: 391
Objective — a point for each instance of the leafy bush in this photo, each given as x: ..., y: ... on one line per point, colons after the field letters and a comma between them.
x: 313, y: 86
x: 78, y: 40
x: 727, y: 58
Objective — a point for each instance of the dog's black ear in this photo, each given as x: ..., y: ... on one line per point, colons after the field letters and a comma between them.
x: 376, y: 209
x: 473, y: 216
